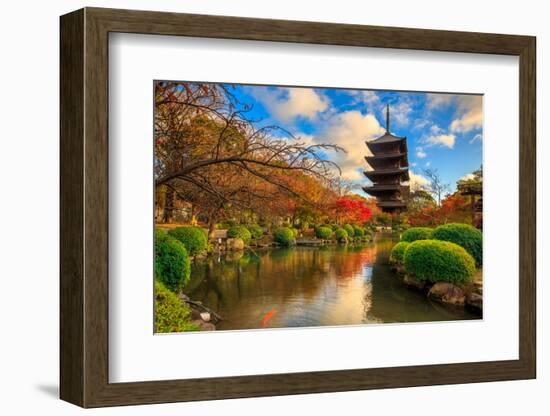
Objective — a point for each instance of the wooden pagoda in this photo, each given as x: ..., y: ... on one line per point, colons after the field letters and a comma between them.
x: 390, y: 169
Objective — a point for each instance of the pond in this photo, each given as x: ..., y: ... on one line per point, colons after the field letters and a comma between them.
x: 311, y: 286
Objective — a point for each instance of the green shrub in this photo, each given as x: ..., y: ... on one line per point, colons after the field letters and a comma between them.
x: 172, y: 266
x: 333, y: 226
x: 349, y: 229
x: 465, y: 236
x: 439, y: 261
x: 341, y: 235
x: 295, y: 231
x: 284, y: 236
x: 417, y: 233
x: 323, y: 232
x: 193, y: 238
x: 240, y: 231
x: 256, y: 231
x: 358, y: 231
x: 171, y: 315
x: 396, y: 256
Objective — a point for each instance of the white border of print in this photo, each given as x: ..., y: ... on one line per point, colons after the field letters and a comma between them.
x: 135, y: 354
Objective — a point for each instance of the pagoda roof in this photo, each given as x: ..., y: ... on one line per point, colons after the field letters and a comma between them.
x: 395, y: 203
x: 404, y: 172
x: 387, y: 156
x: 387, y: 138
x: 378, y: 189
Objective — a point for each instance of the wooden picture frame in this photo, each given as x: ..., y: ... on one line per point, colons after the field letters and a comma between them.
x: 84, y: 207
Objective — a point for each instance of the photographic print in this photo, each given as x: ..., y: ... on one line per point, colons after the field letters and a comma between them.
x: 284, y: 207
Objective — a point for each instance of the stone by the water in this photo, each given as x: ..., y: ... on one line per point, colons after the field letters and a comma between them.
x: 235, y: 244
x: 474, y: 302
x: 447, y: 293
x: 204, y: 326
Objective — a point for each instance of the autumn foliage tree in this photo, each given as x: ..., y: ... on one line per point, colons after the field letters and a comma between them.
x: 352, y: 209
x: 209, y: 153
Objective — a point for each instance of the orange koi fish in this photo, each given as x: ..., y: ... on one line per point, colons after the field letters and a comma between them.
x: 267, y: 317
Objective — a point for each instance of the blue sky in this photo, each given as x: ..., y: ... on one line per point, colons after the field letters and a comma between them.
x: 444, y: 131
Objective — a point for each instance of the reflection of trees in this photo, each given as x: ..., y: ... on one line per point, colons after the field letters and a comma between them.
x: 311, y: 286
x: 278, y: 274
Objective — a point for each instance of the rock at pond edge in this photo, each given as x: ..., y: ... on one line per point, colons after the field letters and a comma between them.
x: 447, y: 293
x: 474, y: 302
x: 235, y: 244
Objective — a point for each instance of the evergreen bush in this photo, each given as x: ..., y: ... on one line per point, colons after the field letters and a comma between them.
x: 193, y: 238
x: 284, y: 236
x: 240, y: 231
x: 323, y: 232
x: 341, y: 235
x: 172, y: 265
x: 466, y: 236
x: 417, y: 233
x: 171, y: 315
x: 439, y: 261
x: 396, y: 256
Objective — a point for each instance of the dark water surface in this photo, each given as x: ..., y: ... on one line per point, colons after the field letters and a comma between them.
x: 306, y: 286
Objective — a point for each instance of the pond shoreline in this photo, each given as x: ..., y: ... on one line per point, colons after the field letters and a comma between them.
x: 308, y: 286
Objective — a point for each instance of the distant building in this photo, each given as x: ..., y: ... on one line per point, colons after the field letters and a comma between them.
x: 390, y: 169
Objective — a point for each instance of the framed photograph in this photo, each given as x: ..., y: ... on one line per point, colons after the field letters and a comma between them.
x: 256, y: 207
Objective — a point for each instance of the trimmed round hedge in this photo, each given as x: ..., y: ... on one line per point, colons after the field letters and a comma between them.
x: 240, y: 231
x: 396, y: 256
x: 193, y: 238
x: 358, y: 231
x: 284, y: 236
x: 171, y: 315
x: 349, y: 229
x: 417, y: 233
x: 439, y: 261
x: 256, y: 231
x: 465, y: 236
x: 323, y: 232
x: 341, y: 235
x: 172, y: 265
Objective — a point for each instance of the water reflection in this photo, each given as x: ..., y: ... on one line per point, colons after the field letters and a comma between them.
x: 307, y: 286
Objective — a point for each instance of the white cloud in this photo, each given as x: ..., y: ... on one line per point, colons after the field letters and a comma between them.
x: 305, y: 139
x: 286, y: 104
x: 417, y: 182
x: 349, y: 130
x: 400, y: 113
x: 471, y: 114
x: 438, y: 100
x: 476, y: 138
x: 447, y: 140
x: 420, y: 123
x: 367, y: 97
x: 469, y: 111
x: 420, y: 153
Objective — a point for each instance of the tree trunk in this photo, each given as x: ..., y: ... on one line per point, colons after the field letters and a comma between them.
x: 168, y: 214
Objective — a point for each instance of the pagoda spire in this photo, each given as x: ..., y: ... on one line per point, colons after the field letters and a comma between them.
x: 387, y: 118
